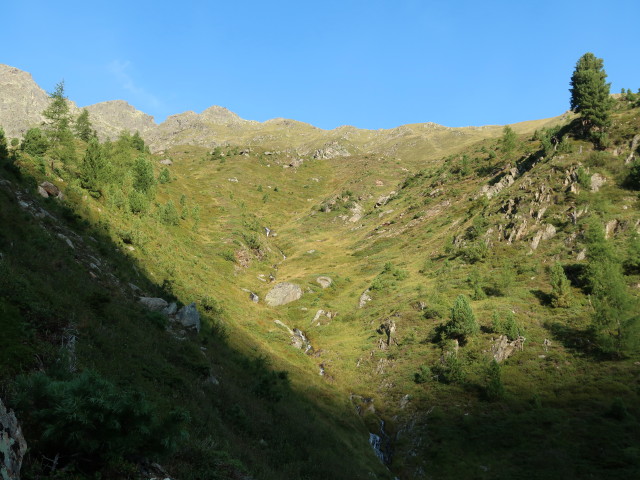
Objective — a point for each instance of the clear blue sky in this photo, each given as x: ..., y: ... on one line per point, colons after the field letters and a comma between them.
x: 372, y: 64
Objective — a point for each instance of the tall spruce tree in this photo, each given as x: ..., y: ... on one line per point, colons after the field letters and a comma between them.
x: 590, y: 96
x: 58, y: 125
x: 82, y: 126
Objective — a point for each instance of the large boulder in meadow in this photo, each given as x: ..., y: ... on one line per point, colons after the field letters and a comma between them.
x: 282, y: 294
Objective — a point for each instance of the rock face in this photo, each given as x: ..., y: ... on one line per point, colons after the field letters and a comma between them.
x: 12, y: 445
x: 282, y: 294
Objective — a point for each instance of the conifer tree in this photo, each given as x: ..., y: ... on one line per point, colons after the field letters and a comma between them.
x: 590, y: 96
x: 559, y: 286
x: 82, y: 128
x: 463, y: 322
x: 93, y: 167
x: 58, y: 125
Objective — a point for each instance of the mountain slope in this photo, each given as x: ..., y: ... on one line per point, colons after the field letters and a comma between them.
x: 381, y: 233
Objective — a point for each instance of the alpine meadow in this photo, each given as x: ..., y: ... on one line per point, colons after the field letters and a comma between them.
x: 219, y: 298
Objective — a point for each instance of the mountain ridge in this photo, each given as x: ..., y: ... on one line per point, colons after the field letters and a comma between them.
x: 22, y: 100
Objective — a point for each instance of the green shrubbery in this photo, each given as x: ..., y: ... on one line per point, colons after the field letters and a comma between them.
x: 87, y: 420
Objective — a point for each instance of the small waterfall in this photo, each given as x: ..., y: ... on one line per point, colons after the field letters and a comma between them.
x: 381, y: 444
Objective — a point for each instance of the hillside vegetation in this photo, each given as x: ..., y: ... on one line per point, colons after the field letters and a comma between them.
x: 469, y: 308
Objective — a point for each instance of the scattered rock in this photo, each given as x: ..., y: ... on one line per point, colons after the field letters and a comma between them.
x: 597, y: 181
x: 388, y: 327
x: 43, y: 193
x: 66, y: 240
x: 503, y: 348
x: 582, y: 254
x: 634, y: 145
x: 50, y: 189
x: 611, y: 227
x: 283, y: 293
x: 189, y: 317
x: 233, y: 179
x: 364, y: 298
x: 296, y: 162
x: 166, y: 161
x: 254, y: 298
x: 12, y: 445
x: 324, y: 282
x: 153, y: 303
x: 384, y: 199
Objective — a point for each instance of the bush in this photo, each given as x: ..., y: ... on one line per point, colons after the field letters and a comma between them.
x: 423, y: 375
x: 451, y: 369
x: 90, y: 418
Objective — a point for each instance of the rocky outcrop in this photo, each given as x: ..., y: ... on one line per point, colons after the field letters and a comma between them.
x: 188, y: 316
x: 507, y: 180
x: 549, y: 231
x: 364, y: 298
x: 503, y: 348
x: 331, y: 150
x: 282, y: 294
x: 12, y: 445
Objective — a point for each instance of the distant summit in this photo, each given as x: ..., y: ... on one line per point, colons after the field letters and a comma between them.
x: 22, y: 102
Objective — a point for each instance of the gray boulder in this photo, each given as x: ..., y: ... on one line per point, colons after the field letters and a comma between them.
x: 189, y: 317
x: 171, y: 309
x: 12, y: 445
x: 153, y: 303
x: 324, y: 282
x: 282, y: 294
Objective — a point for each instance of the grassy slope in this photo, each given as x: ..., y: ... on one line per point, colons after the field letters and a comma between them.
x: 570, y: 388
x: 445, y: 431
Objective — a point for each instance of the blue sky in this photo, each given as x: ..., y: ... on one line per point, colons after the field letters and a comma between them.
x: 372, y: 64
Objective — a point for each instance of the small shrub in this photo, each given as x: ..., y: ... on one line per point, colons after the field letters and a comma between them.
x: 494, y: 389
x: 423, y: 375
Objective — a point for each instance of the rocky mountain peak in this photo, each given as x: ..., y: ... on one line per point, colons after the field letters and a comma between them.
x: 112, y: 117
x: 220, y: 115
x: 21, y: 101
